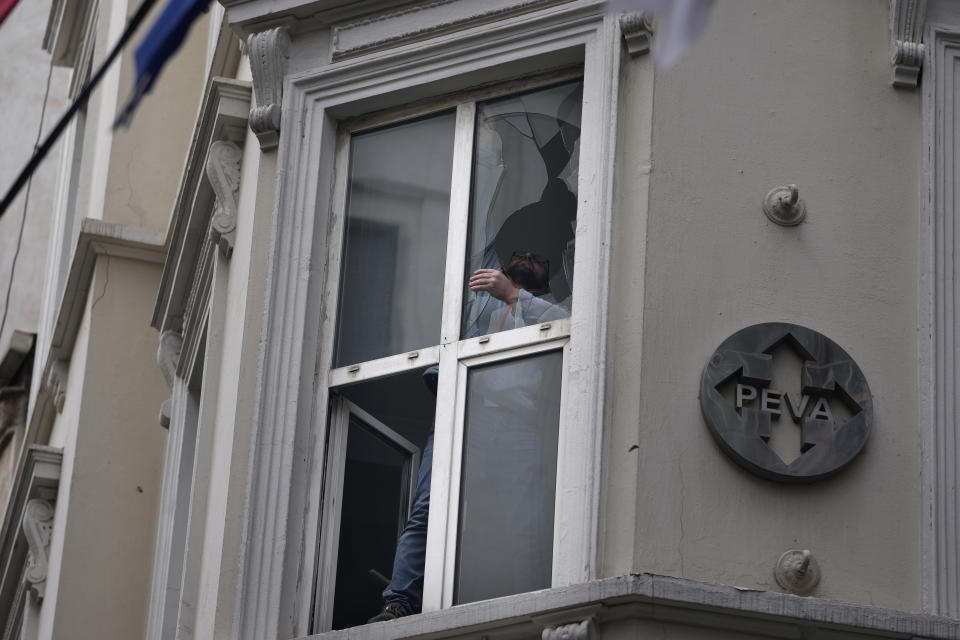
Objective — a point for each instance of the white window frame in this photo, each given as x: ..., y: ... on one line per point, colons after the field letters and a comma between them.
x: 340, y: 411
x: 442, y: 558
x: 286, y: 475
x: 940, y: 293
x: 454, y: 355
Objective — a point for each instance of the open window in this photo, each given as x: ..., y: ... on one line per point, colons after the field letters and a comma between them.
x: 453, y: 286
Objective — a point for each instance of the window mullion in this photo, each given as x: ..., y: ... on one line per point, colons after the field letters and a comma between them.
x: 444, y: 483
x: 332, y: 500
x: 458, y: 223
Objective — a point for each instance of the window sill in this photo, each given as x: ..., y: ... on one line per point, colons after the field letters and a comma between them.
x: 662, y: 598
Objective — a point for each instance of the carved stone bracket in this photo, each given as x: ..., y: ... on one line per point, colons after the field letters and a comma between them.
x: 57, y: 383
x: 906, y: 49
x: 269, y: 55
x: 37, y: 528
x: 223, y: 173
x: 168, y: 355
x: 582, y: 630
x: 637, y: 30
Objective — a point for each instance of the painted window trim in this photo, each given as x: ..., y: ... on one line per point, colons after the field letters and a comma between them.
x: 939, y: 295
x: 454, y: 356
x: 281, y: 524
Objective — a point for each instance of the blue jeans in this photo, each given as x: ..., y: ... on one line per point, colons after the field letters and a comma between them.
x: 406, y: 584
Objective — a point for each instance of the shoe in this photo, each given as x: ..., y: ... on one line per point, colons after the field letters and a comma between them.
x: 390, y: 612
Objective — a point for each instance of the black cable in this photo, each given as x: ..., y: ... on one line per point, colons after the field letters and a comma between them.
x: 81, y: 98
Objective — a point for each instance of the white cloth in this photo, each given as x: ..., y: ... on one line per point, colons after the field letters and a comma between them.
x: 685, y: 21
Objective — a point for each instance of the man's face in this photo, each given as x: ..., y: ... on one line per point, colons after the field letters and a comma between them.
x: 528, y: 270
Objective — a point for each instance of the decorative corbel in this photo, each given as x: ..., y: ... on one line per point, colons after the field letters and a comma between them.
x: 37, y: 528
x: 637, y: 30
x: 223, y: 173
x: 906, y: 48
x: 57, y: 383
x: 168, y: 354
x: 269, y: 52
x: 582, y: 630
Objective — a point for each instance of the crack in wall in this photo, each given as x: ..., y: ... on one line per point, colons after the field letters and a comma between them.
x: 106, y: 281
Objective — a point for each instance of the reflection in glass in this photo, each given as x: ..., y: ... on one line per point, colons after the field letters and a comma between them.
x: 523, y: 207
x: 398, y: 195
x: 376, y: 497
x: 509, y: 477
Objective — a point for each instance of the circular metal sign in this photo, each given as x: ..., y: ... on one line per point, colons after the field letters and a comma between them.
x: 740, y: 404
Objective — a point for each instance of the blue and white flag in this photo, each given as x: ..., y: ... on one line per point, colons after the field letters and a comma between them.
x: 161, y: 42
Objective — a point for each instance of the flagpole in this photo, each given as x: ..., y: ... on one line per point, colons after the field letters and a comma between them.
x: 41, y: 152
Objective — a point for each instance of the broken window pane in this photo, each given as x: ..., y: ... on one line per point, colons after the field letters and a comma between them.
x: 390, y: 421
x: 523, y: 210
x: 396, y: 236
x: 509, y: 474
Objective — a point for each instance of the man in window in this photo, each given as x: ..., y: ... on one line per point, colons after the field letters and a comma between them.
x: 533, y: 243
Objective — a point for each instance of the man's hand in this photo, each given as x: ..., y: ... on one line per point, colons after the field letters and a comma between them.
x: 496, y: 284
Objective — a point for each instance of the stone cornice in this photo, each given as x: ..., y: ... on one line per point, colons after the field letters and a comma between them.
x: 250, y: 16
x: 576, y: 610
x: 66, y: 30
x: 906, y: 40
x: 97, y: 237
x: 222, y: 118
x: 421, y: 21
x: 27, y: 522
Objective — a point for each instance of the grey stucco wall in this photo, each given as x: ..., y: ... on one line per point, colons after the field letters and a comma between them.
x: 23, y: 78
x: 781, y: 92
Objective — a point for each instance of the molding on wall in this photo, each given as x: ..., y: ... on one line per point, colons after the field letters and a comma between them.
x: 223, y: 172
x: 37, y: 527
x: 202, y: 226
x: 583, y: 630
x: 97, y: 238
x: 637, y: 29
x: 906, y: 41
x: 222, y: 118
x: 300, y: 16
x: 269, y: 52
x: 422, y: 21
x: 276, y: 575
x: 71, y: 36
x: 940, y: 326
x: 168, y: 554
x: 25, y: 532
x: 66, y: 30
x: 168, y: 354
x: 661, y: 599
x: 57, y: 382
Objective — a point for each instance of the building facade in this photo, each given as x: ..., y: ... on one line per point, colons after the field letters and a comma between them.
x: 674, y: 346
